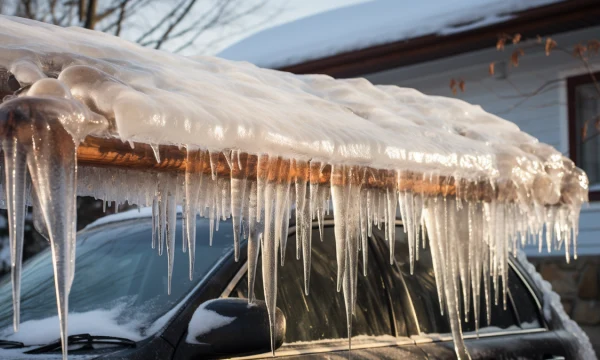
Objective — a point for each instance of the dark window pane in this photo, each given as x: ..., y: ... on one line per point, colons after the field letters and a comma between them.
x: 322, y: 314
x: 421, y: 284
x: 422, y: 288
x: 525, y: 306
x: 587, y: 109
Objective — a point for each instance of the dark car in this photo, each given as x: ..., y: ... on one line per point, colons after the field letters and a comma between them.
x: 119, y: 307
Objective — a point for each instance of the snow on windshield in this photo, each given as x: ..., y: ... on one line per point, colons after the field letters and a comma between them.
x: 261, y: 142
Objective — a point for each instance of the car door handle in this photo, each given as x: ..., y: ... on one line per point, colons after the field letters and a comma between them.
x: 554, y: 357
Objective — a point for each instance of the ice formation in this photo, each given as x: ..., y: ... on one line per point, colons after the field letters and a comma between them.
x: 85, y: 113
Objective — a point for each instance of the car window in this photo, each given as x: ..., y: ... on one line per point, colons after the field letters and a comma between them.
x: 422, y: 288
x: 128, y: 295
x: 321, y: 314
x: 528, y: 313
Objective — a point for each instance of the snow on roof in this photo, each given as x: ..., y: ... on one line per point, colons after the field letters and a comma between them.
x: 368, y: 24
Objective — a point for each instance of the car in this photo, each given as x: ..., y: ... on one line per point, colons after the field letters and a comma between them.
x: 119, y: 306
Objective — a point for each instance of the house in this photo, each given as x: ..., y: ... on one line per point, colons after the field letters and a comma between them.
x: 437, y: 43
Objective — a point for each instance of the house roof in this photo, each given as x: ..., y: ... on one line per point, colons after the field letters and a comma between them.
x: 384, y: 34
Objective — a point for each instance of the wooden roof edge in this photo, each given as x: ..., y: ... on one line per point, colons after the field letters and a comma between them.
x: 114, y: 153
x: 545, y: 20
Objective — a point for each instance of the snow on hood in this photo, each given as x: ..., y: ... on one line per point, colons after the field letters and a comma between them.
x: 368, y: 24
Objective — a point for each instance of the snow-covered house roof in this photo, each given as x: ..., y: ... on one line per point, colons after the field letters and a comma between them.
x: 319, y: 43
x: 368, y: 24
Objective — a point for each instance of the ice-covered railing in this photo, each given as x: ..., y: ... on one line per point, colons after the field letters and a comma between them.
x: 85, y: 113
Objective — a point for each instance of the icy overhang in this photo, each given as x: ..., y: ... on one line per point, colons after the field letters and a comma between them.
x: 90, y: 114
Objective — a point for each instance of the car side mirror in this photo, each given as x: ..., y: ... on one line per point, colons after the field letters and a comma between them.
x: 231, y: 326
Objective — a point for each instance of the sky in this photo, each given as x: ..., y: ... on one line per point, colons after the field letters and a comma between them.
x: 290, y: 11
x: 212, y: 41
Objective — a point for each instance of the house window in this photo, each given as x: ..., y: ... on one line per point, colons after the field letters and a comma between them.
x: 584, y: 127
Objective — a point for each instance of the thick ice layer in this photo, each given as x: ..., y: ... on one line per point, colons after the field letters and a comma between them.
x: 160, y: 98
x: 258, y: 143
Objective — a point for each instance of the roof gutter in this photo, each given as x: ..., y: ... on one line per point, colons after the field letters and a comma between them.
x: 552, y: 19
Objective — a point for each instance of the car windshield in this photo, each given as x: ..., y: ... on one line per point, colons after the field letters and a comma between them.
x: 120, y: 284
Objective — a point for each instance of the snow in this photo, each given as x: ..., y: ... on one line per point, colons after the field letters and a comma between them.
x: 369, y: 24
x: 477, y: 185
x: 144, y: 212
x: 133, y: 214
x: 203, y: 321
x: 555, y: 314
x: 95, y: 322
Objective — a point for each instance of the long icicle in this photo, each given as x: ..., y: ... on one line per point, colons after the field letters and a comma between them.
x: 340, y: 210
x: 270, y: 247
x: 15, y: 166
x: 253, y: 240
x: 171, y: 225
x: 193, y: 182
x: 52, y: 163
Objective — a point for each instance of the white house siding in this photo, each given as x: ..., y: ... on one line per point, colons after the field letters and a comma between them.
x: 543, y: 116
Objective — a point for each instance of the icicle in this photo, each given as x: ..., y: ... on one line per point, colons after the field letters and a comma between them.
x: 409, y: 226
x: 15, y: 166
x: 253, y: 240
x: 156, y: 152
x: 52, y: 163
x: 261, y: 178
x: 184, y: 217
x: 322, y: 194
x: 417, y: 221
x: 432, y: 214
x: 314, y: 173
x: 162, y: 212
x: 171, y: 225
x: 304, y: 219
x: 155, y: 222
x: 370, y: 213
x: 340, y: 210
x: 390, y: 226
x: 475, y: 254
x: 347, y: 289
x: 238, y: 186
x: 193, y: 182
x: 281, y: 200
x: 214, y: 161
x: 364, y: 220
x: 270, y: 248
x: 464, y: 231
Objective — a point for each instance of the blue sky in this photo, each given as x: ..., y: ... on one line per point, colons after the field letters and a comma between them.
x: 212, y: 41
x: 290, y: 10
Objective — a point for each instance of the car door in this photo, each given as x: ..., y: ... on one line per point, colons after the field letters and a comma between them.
x: 517, y: 332
x: 316, y: 324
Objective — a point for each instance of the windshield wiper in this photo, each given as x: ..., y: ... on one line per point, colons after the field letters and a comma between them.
x: 83, y: 339
x: 9, y: 344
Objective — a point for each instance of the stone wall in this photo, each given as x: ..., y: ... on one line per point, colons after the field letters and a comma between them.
x: 578, y: 284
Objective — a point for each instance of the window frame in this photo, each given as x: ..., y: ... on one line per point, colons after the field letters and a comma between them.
x: 572, y: 83
x: 446, y: 336
x: 320, y: 346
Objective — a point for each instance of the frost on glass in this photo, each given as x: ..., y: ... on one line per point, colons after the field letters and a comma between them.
x: 271, y: 150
